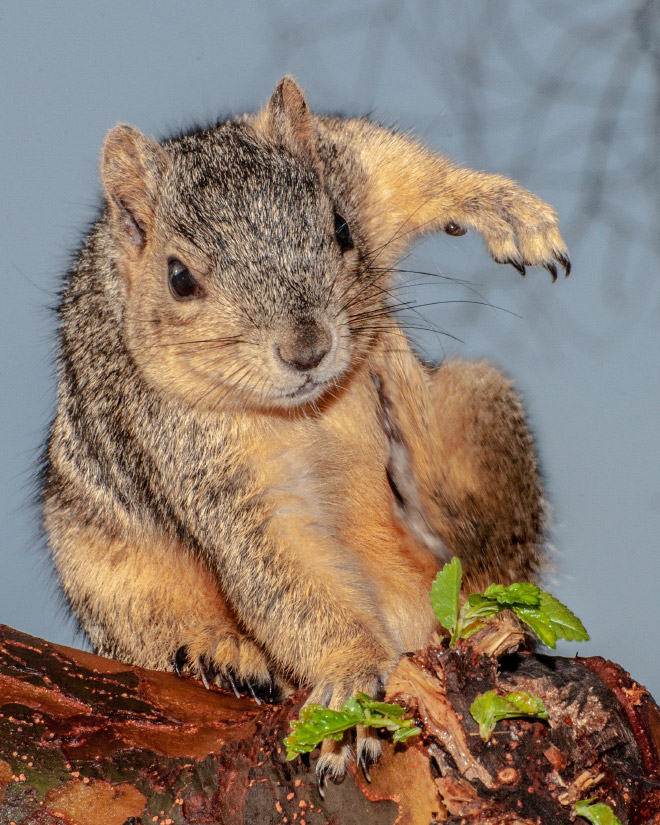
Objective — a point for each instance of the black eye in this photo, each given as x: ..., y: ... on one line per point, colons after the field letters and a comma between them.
x: 343, y: 233
x: 182, y: 283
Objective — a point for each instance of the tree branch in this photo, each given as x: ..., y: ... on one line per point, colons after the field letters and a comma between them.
x: 90, y: 741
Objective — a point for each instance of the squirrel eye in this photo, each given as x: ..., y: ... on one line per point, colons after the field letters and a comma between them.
x: 343, y: 233
x: 182, y: 283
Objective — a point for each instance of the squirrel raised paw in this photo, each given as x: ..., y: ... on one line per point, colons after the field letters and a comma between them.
x: 250, y: 473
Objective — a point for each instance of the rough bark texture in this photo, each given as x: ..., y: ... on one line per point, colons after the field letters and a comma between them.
x: 89, y: 741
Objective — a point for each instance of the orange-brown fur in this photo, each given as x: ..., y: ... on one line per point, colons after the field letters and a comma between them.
x: 260, y: 472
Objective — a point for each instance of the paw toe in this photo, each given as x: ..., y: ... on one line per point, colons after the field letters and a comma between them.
x: 562, y: 257
x: 552, y: 269
x: 517, y: 264
x: 368, y: 749
x: 332, y: 764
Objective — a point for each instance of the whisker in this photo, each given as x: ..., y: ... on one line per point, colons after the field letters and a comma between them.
x: 462, y: 301
x: 418, y: 327
x: 217, y: 346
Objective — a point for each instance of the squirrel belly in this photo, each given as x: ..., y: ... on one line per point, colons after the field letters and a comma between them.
x: 250, y: 473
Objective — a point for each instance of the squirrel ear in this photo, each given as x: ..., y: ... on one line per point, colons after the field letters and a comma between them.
x: 131, y: 165
x: 289, y: 121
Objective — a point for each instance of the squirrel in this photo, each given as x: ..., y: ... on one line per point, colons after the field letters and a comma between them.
x: 251, y: 475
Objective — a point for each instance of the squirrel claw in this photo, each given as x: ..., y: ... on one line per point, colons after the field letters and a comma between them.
x: 230, y: 679
x: 321, y: 782
x: 266, y: 692
x: 519, y: 266
x: 552, y: 269
x: 272, y: 693
x: 203, y: 676
x: 364, y: 764
x: 252, y: 693
x: 325, y: 772
x: 180, y: 660
x: 260, y: 691
x: 565, y: 261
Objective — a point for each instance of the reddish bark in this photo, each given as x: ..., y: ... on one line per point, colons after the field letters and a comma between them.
x: 90, y: 741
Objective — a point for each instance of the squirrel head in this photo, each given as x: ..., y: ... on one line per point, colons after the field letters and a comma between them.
x: 242, y: 267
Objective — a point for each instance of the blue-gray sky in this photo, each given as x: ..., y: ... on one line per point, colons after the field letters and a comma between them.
x: 562, y: 96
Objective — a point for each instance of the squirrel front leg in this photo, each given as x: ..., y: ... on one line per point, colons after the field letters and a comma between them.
x: 407, y: 191
x: 151, y: 603
x: 302, y: 595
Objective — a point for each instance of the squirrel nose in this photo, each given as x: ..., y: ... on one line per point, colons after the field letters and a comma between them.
x: 306, y: 347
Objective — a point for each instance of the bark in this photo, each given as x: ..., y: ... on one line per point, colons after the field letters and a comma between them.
x: 90, y: 741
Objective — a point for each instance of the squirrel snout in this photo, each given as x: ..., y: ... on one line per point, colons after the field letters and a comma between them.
x: 305, y: 347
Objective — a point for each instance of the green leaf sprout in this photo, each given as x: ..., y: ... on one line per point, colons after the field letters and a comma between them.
x: 598, y: 813
x: 317, y: 723
x: 489, y: 708
x: 445, y: 592
x: 546, y: 616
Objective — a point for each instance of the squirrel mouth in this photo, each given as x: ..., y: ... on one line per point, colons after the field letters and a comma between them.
x: 308, y: 387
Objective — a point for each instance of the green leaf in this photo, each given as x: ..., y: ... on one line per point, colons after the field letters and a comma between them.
x: 404, y: 733
x: 597, y: 814
x: 528, y: 704
x: 516, y: 593
x: 489, y: 708
x: 317, y: 723
x: 565, y: 623
x: 484, y: 711
x: 470, y: 629
x: 384, y: 709
x: 479, y: 606
x: 552, y: 620
x: 546, y: 616
x: 474, y: 612
x: 539, y: 622
x: 445, y: 591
